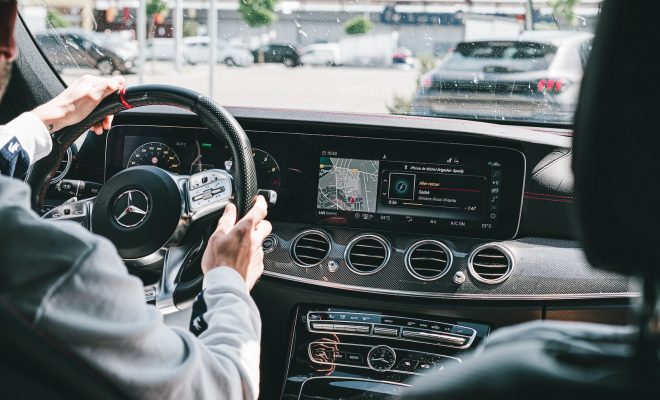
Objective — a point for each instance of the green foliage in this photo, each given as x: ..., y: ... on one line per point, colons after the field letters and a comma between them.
x: 401, y: 105
x: 426, y: 63
x: 189, y: 28
x: 357, y: 26
x: 155, y: 7
x: 56, y: 20
x: 257, y: 13
x: 565, y: 9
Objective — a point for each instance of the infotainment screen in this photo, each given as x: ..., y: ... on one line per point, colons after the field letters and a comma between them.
x: 452, y: 189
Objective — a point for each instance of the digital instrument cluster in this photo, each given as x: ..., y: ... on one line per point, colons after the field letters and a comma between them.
x: 182, y: 151
x: 410, y: 186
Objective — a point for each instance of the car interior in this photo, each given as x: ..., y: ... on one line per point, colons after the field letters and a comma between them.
x: 531, y: 222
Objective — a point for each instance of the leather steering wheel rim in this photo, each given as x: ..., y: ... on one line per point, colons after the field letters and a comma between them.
x: 214, y: 117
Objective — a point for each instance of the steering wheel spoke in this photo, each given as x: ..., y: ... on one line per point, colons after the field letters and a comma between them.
x: 175, y: 259
x: 77, y: 211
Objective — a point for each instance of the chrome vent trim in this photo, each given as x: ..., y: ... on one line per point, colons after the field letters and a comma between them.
x: 490, y: 263
x: 367, y: 254
x: 64, y: 166
x: 422, y: 255
x: 310, y: 248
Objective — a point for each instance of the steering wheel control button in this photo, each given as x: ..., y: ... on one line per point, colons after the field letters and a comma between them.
x: 269, y: 244
x: 131, y: 208
x: 208, y: 187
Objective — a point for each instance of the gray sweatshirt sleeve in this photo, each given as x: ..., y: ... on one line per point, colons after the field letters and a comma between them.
x: 98, y: 310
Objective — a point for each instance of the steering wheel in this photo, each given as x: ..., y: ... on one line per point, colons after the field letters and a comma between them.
x: 154, y: 217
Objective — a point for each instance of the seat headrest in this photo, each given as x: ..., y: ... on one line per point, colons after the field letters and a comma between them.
x: 617, y: 141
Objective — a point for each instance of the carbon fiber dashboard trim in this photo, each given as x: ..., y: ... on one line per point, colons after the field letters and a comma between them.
x: 545, y: 269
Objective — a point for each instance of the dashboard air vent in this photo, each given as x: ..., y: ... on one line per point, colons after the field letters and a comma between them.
x: 64, y: 166
x: 367, y: 254
x: 428, y: 260
x: 310, y: 248
x: 490, y: 263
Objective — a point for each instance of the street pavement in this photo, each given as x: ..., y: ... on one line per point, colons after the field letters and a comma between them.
x: 362, y: 90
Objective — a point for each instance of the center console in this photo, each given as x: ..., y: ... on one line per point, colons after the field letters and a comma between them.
x: 354, y: 354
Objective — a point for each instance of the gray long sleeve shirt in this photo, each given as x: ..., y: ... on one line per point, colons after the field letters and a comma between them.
x: 72, y: 285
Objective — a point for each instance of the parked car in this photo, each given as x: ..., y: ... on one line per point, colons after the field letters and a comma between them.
x: 286, y: 54
x: 321, y: 54
x: 82, y: 50
x: 534, y: 77
x: 196, y: 50
x: 122, y: 43
x: 403, y: 58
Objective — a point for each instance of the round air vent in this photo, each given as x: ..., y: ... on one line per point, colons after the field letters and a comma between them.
x: 310, y: 248
x: 428, y: 260
x: 64, y: 166
x: 367, y: 254
x: 490, y: 263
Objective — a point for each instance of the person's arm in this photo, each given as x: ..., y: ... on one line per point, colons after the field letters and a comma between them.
x: 22, y: 141
x: 98, y: 311
x: 26, y: 139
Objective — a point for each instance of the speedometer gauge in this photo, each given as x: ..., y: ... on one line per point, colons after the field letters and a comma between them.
x: 156, y: 154
x: 268, y: 172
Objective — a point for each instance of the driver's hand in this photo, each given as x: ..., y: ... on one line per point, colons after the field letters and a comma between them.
x: 77, y: 101
x: 238, y: 244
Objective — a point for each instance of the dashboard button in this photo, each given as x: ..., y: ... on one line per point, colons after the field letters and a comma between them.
x: 407, y: 365
x: 388, y: 331
x: 432, y: 337
x: 425, y: 366
x: 354, y: 358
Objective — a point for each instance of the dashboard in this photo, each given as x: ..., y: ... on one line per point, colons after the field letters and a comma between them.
x: 397, y: 245
x: 415, y: 186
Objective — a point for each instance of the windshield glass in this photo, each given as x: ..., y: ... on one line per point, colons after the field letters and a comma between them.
x: 518, y: 60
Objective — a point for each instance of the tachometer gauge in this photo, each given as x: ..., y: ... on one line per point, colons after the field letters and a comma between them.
x: 156, y: 154
x: 381, y: 358
x: 268, y: 172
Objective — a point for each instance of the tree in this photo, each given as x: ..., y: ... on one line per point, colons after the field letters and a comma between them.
x: 565, y: 9
x: 155, y: 7
x: 56, y: 20
x: 257, y: 13
x: 357, y: 26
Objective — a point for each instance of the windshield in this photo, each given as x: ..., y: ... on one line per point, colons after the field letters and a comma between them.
x: 519, y: 61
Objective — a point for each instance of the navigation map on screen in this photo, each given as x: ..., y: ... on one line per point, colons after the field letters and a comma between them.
x: 348, y: 184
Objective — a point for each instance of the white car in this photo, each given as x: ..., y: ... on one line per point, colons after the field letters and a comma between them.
x: 196, y: 50
x: 321, y: 54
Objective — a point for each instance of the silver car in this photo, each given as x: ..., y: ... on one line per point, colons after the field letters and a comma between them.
x: 533, y: 77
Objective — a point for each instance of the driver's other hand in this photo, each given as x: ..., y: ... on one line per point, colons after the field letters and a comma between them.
x: 238, y: 244
x: 77, y: 101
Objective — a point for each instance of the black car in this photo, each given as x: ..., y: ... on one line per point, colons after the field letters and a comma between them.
x: 286, y: 54
x: 81, y: 51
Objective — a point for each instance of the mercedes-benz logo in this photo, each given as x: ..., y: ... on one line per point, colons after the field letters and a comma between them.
x: 131, y: 208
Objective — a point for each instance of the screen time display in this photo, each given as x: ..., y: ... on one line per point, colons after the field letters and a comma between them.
x: 460, y: 194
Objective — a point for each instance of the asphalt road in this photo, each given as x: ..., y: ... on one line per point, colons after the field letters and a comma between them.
x: 367, y: 90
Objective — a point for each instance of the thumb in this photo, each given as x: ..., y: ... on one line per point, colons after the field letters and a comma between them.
x: 113, y: 84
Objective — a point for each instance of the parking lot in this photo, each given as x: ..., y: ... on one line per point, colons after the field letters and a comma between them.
x: 269, y: 85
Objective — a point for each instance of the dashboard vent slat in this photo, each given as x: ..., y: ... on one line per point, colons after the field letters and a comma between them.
x: 428, y: 260
x: 310, y: 248
x: 367, y: 254
x: 490, y: 264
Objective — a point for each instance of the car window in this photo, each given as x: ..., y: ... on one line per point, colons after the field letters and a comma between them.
x: 505, y: 57
x: 487, y: 60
